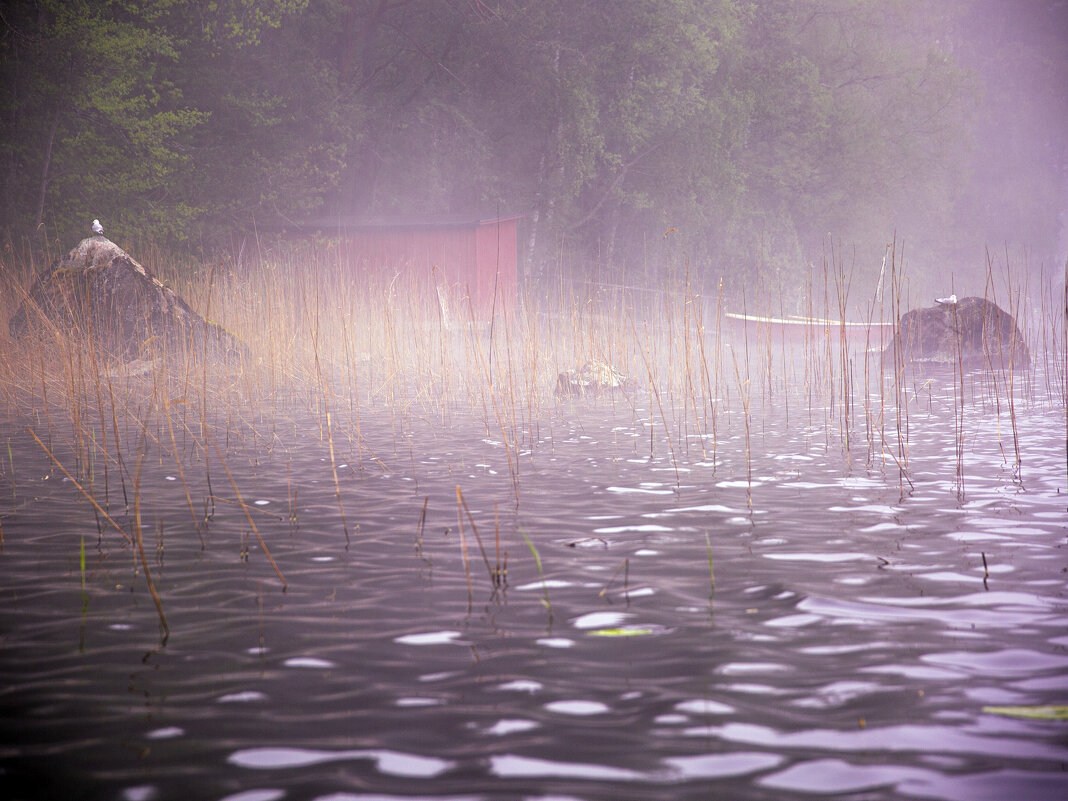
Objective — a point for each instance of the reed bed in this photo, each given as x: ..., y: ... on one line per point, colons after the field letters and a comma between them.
x: 341, y: 344
x: 334, y: 346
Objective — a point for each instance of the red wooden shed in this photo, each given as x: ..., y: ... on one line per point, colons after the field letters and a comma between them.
x: 472, y: 259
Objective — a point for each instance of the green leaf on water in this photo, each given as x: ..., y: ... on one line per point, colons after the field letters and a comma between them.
x: 81, y: 560
x: 1058, y: 712
x: 533, y: 550
x: 711, y: 570
x: 537, y: 561
x: 621, y: 632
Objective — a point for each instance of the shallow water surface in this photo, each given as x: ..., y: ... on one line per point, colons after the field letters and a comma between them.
x: 849, y: 638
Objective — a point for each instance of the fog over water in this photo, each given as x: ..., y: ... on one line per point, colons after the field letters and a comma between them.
x: 380, y: 529
x: 762, y: 617
x: 1021, y: 113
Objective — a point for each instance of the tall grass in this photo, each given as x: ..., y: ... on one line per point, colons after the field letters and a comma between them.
x: 335, y: 344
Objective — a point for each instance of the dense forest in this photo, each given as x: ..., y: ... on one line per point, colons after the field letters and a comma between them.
x: 757, y: 132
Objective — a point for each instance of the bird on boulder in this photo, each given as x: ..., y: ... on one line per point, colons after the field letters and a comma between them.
x: 950, y: 301
x: 98, y: 228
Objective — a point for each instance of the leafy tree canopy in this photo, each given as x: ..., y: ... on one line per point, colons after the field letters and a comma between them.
x: 754, y: 129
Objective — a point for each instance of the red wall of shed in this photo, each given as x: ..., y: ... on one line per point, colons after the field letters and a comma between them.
x: 479, y: 259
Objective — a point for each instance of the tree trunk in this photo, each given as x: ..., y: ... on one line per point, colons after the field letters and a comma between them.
x: 45, y: 179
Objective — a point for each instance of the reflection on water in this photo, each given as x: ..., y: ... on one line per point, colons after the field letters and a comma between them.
x: 842, y: 637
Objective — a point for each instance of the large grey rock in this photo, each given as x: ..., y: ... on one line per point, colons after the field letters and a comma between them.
x: 98, y: 290
x: 974, y: 331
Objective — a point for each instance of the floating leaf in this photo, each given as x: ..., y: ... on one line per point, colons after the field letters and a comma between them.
x: 1035, y: 712
x: 621, y: 632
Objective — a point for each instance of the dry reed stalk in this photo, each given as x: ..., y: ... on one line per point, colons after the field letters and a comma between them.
x: 510, y: 402
x: 411, y: 462
x: 1054, y: 327
x: 1014, y: 314
x: 14, y: 484
x: 141, y: 550
x: 445, y: 359
x: 842, y: 284
x: 354, y: 392
x: 77, y: 402
x: 900, y: 403
x: 333, y: 470
x: 500, y: 572
x: 958, y: 402
x: 79, y: 487
x: 248, y: 517
x: 902, y: 470
x: 64, y: 387
x: 463, y: 549
x: 115, y: 438
x: 716, y: 390
x: 828, y: 354
x: 324, y: 390
x: 181, y: 470
x: 870, y: 423
x: 708, y: 405
x: 530, y: 347
x: 624, y: 565
x: 655, y: 392
x: 995, y: 371
x: 461, y: 501
x: 419, y: 529
x: 711, y: 570
x: 745, y: 398
x: 137, y: 527
x: 691, y: 313
x: 511, y: 451
x: 291, y: 496
x: 209, y: 511
x: 786, y: 372
x: 809, y: 347
x: 767, y: 393
x: 100, y: 416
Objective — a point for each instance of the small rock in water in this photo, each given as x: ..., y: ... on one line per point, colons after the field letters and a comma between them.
x: 594, y: 378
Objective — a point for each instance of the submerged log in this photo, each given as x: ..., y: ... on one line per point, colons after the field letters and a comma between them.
x: 98, y: 291
x: 973, y: 331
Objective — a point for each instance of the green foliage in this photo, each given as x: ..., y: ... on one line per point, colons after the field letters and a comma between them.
x: 1052, y: 712
x: 239, y: 23
x: 622, y: 632
x: 95, y: 115
x: 754, y: 129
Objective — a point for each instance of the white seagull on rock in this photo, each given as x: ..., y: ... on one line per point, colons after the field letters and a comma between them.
x: 98, y: 228
x: 951, y: 300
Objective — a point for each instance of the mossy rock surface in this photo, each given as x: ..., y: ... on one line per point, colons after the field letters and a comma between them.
x: 973, y: 332
x: 99, y: 292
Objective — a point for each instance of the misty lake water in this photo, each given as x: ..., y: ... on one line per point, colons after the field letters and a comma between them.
x: 853, y: 643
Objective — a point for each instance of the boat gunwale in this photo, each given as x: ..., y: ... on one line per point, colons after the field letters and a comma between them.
x: 796, y: 321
